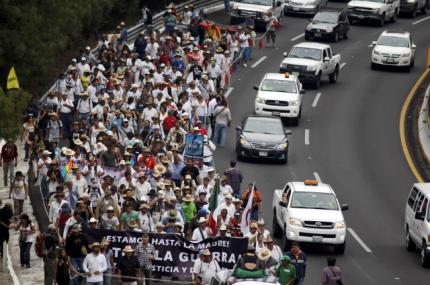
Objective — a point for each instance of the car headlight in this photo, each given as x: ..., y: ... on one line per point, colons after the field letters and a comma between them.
x: 282, y: 146
x: 310, y: 68
x: 244, y: 143
x: 329, y: 30
x: 259, y: 100
x: 339, y: 225
x: 376, y: 11
x: 406, y: 54
x: 294, y: 103
x: 295, y: 222
x: 376, y: 53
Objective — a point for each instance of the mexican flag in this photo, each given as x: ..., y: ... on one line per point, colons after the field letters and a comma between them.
x: 213, y: 206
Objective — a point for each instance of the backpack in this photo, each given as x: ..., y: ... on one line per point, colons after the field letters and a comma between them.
x: 39, y: 246
x: 9, y: 152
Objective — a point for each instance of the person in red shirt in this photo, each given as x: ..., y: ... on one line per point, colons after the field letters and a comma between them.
x: 169, y: 122
x: 146, y: 161
x: 202, y: 128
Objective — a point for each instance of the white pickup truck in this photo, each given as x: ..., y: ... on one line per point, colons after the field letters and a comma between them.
x: 309, y: 212
x: 380, y: 11
x: 257, y: 9
x: 312, y: 61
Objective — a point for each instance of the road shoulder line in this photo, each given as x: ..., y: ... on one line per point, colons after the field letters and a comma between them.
x: 317, y: 98
x: 402, y: 124
x: 259, y: 61
x: 297, y: 37
x: 307, y: 141
x: 421, y: 20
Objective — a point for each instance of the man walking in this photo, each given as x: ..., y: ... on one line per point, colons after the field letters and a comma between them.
x: 51, y: 244
x: 145, y: 253
x: 286, y: 271
x: 298, y: 259
x: 94, y: 265
x: 235, y: 178
x: 8, y: 160
x: 222, y: 119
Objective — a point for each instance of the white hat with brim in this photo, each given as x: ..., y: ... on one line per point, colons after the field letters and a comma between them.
x: 264, y: 254
x: 128, y: 248
x: 202, y: 220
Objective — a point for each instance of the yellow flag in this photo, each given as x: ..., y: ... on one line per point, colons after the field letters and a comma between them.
x: 12, y: 80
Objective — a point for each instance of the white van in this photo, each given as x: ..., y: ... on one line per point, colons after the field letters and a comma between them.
x: 417, y: 221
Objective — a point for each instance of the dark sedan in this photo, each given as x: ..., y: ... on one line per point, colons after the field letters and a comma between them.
x: 329, y: 25
x: 262, y: 137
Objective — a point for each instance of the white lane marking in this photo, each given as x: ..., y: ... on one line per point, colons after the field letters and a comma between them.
x: 342, y: 65
x: 228, y: 92
x: 307, y: 137
x: 359, y: 240
x: 317, y: 97
x: 317, y: 177
x: 421, y: 20
x: 258, y: 62
x: 297, y: 37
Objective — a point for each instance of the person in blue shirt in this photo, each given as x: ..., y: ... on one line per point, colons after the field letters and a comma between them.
x: 178, y: 62
x: 298, y: 259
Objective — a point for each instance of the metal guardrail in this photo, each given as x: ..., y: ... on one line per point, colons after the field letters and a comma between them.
x: 133, y: 32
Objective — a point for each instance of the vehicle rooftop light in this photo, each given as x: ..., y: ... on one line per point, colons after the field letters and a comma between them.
x: 287, y: 75
x: 311, y: 182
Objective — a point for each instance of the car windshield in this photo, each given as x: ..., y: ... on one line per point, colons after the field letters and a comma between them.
x: 264, y: 125
x: 307, y: 53
x: 393, y: 41
x: 313, y: 200
x: 377, y: 1
x: 256, y: 2
x: 325, y: 17
x: 279, y: 86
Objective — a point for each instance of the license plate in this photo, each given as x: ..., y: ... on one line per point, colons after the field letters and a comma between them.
x: 276, y: 113
x: 295, y: 73
x: 317, y: 239
x: 360, y: 16
x: 262, y: 153
x: 317, y: 35
x: 390, y: 60
x: 295, y: 9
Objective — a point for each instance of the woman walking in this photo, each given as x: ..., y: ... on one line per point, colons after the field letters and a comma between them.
x: 26, y: 238
x: 63, y: 267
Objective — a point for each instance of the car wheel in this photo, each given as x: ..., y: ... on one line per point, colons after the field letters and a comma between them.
x: 286, y: 243
x: 335, y: 37
x: 277, y: 231
x: 295, y: 121
x: 317, y: 82
x: 410, y: 245
x: 373, y: 66
x: 340, y: 248
x: 425, y: 260
x: 334, y: 75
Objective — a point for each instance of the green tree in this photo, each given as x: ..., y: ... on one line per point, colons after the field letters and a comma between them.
x: 12, y: 105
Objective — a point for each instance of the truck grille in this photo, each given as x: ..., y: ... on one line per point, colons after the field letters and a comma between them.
x: 276, y: 103
x: 295, y: 67
x: 363, y: 11
x: 315, y: 234
x: 318, y: 224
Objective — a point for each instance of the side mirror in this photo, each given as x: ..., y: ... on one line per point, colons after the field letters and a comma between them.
x: 285, y: 54
x: 344, y: 207
x: 419, y: 216
x: 414, y: 46
x: 255, y: 87
x: 288, y: 132
x: 310, y: 20
x: 239, y: 128
x: 326, y: 59
x: 302, y: 91
x: 374, y: 43
x: 282, y: 204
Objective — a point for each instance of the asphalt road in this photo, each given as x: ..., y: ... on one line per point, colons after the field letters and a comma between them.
x: 353, y: 145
